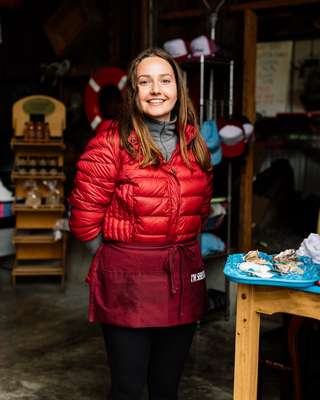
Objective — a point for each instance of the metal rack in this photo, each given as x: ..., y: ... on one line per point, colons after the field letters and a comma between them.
x: 212, y: 108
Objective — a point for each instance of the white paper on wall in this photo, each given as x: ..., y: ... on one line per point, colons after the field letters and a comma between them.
x: 273, y: 77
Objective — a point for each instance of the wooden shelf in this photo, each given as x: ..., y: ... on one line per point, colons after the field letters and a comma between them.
x: 17, y: 175
x: 183, y: 14
x: 41, y: 268
x: 45, y: 251
x: 33, y: 237
x: 22, y: 207
x: 37, y: 270
x: 38, y: 219
x: 209, y: 60
x: 15, y: 142
x: 270, y: 4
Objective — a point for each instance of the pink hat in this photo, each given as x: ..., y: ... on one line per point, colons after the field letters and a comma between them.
x: 177, y: 48
x: 203, y: 45
x: 248, y: 128
x: 232, y: 137
x: 233, y: 150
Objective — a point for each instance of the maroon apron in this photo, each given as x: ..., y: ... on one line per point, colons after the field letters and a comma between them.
x: 139, y: 285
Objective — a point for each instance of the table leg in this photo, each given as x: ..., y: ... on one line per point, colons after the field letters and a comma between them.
x: 247, y: 345
x: 293, y: 347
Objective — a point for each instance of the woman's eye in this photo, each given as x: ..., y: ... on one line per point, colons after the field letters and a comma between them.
x: 165, y: 81
x: 144, y: 82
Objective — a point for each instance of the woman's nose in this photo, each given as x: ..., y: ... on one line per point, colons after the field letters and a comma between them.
x: 155, y: 87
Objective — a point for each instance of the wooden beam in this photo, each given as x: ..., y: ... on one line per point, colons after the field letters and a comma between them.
x: 267, y: 4
x: 248, y: 109
x: 146, y: 32
x: 249, y: 61
x: 173, y: 15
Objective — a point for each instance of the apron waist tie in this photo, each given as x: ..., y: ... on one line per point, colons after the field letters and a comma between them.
x: 181, y: 250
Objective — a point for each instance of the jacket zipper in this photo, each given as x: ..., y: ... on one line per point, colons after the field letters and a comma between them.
x: 175, y: 192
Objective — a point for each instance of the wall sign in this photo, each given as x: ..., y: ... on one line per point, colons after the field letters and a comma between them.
x: 273, y: 77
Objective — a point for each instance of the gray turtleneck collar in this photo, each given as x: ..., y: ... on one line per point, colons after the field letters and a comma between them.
x: 164, y: 135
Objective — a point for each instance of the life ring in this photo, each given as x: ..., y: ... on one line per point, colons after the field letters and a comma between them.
x: 104, y: 76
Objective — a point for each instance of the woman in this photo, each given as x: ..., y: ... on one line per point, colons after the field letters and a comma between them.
x: 144, y: 182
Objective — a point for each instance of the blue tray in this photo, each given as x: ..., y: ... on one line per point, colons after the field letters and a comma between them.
x: 310, y: 289
x: 307, y: 279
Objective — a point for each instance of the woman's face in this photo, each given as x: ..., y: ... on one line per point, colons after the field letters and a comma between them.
x: 157, y: 88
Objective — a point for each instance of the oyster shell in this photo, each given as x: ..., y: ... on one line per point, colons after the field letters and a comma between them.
x: 288, y: 268
x: 254, y: 257
x: 286, y: 262
x: 286, y: 255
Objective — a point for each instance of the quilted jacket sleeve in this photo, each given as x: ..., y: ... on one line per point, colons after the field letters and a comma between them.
x: 206, y: 206
x: 96, y: 177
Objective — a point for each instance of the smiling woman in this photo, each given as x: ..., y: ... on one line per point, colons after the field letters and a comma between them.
x: 144, y: 183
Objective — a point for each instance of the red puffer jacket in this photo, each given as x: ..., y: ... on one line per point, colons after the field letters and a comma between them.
x: 156, y: 204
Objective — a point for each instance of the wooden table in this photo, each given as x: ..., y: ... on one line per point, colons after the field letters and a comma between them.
x: 252, y: 301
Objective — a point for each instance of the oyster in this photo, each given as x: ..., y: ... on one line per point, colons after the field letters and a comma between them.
x: 288, y: 268
x: 286, y: 255
x: 286, y: 262
x: 254, y: 257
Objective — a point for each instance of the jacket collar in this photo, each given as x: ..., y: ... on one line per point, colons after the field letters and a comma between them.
x: 190, y: 134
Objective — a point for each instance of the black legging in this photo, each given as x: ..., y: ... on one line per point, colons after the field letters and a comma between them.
x: 152, y: 356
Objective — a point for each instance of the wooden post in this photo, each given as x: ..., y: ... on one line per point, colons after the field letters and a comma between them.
x: 147, y: 23
x: 248, y: 109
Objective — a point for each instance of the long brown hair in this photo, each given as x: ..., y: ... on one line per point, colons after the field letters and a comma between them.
x: 132, y: 117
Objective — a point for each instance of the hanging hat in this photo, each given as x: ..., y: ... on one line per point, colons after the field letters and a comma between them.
x: 177, y: 48
x: 232, y: 137
x: 203, y: 45
x: 248, y: 130
x: 211, y: 243
x: 247, y: 127
x: 210, y: 134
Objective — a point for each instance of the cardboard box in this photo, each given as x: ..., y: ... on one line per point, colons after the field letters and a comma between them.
x: 71, y: 22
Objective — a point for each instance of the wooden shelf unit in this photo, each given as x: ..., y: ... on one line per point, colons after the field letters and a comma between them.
x: 39, y: 163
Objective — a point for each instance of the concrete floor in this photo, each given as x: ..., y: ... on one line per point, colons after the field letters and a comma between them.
x: 50, y: 352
